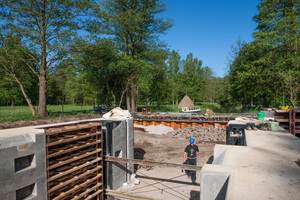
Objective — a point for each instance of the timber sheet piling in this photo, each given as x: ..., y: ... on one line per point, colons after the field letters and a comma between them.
x: 74, y: 162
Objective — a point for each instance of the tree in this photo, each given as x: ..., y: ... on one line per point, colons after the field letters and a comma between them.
x: 105, y: 70
x: 266, y: 70
x: 192, y: 77
x: 134, y: 26
x: 159, y: 88
x: 173, y: 71
x: 209, y: 90
x: 46, y: 28
x: 12, y: 66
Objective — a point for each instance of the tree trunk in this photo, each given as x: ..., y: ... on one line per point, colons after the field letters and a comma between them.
x: 133, y: 99
x: 128, y: 100
x: 12, y: 102
x: 114, y: 98
x: 122, y: 96
x: 157, y: 106
x: 134, y: 95
x: 28, y: 100
x: 62, y: 105
x: 42, y: 110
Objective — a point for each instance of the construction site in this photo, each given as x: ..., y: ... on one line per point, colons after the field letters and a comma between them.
x: 140, y: 156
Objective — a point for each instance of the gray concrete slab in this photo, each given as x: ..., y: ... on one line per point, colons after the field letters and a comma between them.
x: 264, y: 169
x: 22, y: 166
x: 163, y: 184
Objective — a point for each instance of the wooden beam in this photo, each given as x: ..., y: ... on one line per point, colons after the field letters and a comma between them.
x: 125, y: 196
x: 95, y: 188
x: 151, y: 163
x: 61, y: 163
x: 56, y: 130
x: 73, y: 179
x: 77, y: 187
x: 75, y: 148
x: 73, y: 169
x: 64, y: 140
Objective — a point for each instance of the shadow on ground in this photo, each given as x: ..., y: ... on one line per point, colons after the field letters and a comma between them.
x: 195, y: 195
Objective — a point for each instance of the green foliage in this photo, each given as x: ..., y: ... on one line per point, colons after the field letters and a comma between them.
x: 173, y: 75
x: 134, y: 27
x: 123, y: 63
x: 18, y: 81
x: 266, y: 71
x: 46, y: 28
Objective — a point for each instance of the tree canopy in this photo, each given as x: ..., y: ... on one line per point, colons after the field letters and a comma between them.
x: 109, y: 52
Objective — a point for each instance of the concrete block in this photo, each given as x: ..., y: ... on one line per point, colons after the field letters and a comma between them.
x: 130, y: 146
x: 19, y: 169
x: 219, y: 155
x: 214, y: 186
x: 18, y: 140
x: 214, y: 182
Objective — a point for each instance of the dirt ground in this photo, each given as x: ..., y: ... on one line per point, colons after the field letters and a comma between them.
x: 165, y: 148
x: 155, y: 182
x: 169, y: 183
x: 6, y: 125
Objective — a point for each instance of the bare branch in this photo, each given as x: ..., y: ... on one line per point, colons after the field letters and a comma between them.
x: 59, y: 17
x: 53, y: 49
x: 6, y: 70
x: 30, y: 67
x: 32, y: 57
x: 50, y: 34
x: 51, y: 11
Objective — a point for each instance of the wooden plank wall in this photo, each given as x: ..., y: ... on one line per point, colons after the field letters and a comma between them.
x: 74, y: 162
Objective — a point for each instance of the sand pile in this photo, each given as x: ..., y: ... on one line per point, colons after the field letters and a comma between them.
x: 159, y: 130
x: 200, y: 134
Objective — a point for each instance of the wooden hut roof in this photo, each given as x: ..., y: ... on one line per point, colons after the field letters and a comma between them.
x: 186, y: 102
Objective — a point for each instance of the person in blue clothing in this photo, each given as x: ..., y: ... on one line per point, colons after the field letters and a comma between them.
x: 190, y: 155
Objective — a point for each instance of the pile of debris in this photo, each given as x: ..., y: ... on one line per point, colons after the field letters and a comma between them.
x: 201, y: 134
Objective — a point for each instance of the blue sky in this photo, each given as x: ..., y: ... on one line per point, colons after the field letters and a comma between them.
x: 207, y: 28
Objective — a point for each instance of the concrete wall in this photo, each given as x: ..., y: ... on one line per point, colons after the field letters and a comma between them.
x: 22, y: 169
x: 23, y: 163
x: 119, y: 141
x: 214, y: 182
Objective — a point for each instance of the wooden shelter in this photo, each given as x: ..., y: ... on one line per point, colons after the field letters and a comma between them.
x: 186, y: 102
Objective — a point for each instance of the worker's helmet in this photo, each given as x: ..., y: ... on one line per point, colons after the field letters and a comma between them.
x: 192, y: 140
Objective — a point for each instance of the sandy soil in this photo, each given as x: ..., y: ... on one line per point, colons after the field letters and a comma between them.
x: 164, y: 148
x: 167, y: 183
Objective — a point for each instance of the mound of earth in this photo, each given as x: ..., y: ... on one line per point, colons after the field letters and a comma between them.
x: 201, y: 134
x: 6, y: 125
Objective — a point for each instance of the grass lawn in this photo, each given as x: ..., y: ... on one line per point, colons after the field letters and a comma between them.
x: 17, y: 113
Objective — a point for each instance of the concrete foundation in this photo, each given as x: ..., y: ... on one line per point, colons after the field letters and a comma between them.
x: 119, y: 141
x: 22, y: 169
x: 266, y: 168
x: 23, y: 163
